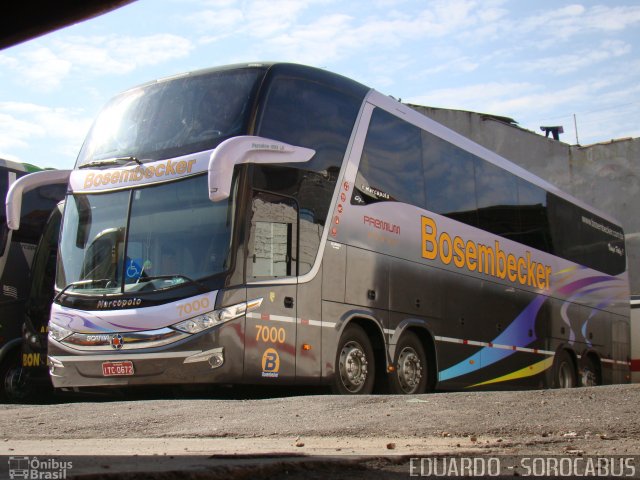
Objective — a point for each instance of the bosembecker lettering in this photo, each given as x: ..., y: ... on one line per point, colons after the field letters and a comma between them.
x: 476, y: 257
x: 114, y: 177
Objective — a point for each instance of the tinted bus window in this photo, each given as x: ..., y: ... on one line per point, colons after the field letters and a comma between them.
x: 585, y: 238
x: 391, y: 163
x: 497, y: 199
x: 450, y: 185
x: 314, y: 115
x: 310, y: 114
x: 534, y: 222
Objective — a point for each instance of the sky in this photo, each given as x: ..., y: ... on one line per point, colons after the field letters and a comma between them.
x: 539, y: 62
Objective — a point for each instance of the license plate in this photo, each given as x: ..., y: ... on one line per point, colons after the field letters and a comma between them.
x: 115, y: 369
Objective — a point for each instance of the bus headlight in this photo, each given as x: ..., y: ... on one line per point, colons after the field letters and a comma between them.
x: 217, y: 317
x: 57, y: 332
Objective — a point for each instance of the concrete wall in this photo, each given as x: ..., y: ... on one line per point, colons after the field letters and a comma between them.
x: 605, y: 175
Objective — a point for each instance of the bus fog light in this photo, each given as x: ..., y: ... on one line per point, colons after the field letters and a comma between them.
x: 54, y: 364
x: 215, y: 357
x: 216, y: 360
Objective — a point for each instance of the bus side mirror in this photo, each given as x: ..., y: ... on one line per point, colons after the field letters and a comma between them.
x: 248, y: 149
x: 26, y: 184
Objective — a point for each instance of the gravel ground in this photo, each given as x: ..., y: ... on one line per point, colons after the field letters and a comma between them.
x: 241, y: 435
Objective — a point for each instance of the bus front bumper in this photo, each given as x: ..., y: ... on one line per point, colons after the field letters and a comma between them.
x: 200, y: 358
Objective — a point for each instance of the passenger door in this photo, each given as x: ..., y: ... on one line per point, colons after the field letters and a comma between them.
x: 270, y: 337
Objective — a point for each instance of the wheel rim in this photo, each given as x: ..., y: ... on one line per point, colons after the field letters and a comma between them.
x: 589, y: 377
x: 409, y: 370
x: 353, y: 366
x: 565, y: 375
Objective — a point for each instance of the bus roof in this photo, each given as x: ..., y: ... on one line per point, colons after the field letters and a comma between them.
x: 340, y: 81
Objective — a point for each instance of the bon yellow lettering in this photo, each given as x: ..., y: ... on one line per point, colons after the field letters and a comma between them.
x: 160, y: 170
x: 170, y: 169
x: 181, y: 167
x: 115, y: 176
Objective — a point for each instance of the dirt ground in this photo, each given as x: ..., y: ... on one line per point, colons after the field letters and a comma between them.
x: 321, y: 436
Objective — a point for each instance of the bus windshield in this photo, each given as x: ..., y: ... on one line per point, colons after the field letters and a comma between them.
x: 173, y: 117
x: 143, y: 239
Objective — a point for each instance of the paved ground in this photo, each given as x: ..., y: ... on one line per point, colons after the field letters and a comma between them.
x: 321, y: 436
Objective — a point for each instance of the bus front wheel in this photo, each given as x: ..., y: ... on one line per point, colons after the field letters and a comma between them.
x: 409, y: 375
x: 355, y: 364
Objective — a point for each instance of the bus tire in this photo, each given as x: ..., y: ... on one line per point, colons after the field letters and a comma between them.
x: 564, y: 371
x: 410, y: 374
x: 589, y: 374
x: 355, y: 363
x: 12, y: 378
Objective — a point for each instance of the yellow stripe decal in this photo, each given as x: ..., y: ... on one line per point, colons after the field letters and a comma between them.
x: 529, y: 371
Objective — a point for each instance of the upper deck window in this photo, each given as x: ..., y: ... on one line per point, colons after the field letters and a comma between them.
x: 173, y: 117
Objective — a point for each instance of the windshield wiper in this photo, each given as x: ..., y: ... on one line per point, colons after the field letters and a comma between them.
x: 149, y: 278
x: 111, y: 161
x: 81, y: 283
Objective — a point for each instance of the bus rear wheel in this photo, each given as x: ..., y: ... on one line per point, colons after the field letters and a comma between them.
x: 355, y: 364
x: 564, y: 373
x: 589, y: 375
x: 410, y: 366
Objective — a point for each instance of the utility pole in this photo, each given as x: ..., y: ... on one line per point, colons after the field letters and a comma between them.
x: 575, y: 124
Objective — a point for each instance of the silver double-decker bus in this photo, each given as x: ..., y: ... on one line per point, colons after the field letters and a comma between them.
x: 281, y: 224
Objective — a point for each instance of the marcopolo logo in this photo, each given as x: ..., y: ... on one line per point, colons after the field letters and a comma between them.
x: 122, y: 303
x: 36, y: 469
